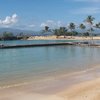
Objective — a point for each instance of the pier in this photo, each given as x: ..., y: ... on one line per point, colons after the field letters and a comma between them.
x: 48, y: 44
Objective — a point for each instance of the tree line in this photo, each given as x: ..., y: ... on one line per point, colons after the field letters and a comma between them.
x: 70, y: 29
x: 11, y: 36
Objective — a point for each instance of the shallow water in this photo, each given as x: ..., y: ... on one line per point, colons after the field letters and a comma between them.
x: 28, y: 64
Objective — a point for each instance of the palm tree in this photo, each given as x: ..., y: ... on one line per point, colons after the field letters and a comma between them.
x: 90, y: 31
x: 56, y: 32
x: 72, y: 27
x: 46, y: 28
x: 90, y: 20
x: 97, y: 25
x: 60, y: 31
x: 82, y: 27
x: 63, y: 31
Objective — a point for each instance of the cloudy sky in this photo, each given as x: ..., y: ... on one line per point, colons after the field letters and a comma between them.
x: 35, y: 14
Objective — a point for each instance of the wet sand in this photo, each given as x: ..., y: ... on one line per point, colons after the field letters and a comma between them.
x: 84, y: 85
x: 89, y: 90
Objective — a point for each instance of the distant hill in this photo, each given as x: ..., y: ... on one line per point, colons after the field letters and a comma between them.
x: 15, y: 31
x: 18, y: 31
x: 30, y: 32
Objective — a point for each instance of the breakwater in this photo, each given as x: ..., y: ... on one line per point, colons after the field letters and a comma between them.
x: 47, y: 44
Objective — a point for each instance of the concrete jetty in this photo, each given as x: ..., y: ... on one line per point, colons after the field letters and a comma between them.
x: 47, y: 44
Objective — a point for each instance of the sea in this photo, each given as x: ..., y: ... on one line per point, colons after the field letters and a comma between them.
x: 20, y: 65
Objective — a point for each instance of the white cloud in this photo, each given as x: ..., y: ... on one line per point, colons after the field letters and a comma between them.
x: 51, y: 24
x: 87, y: 10
x: 59, y: 23
x: 31, y: 26
x: 9, y: 20
x: 43, y: 25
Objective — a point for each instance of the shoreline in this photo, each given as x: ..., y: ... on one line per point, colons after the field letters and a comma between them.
x: 59, y: 75
x: 59, y: 88
x: 53, y: 37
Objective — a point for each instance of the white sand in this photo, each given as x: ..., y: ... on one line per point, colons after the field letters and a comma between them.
x: 62, y: 38
x: 84, y: 91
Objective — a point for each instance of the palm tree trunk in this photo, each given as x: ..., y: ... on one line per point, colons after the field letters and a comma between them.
x: 92, y: 38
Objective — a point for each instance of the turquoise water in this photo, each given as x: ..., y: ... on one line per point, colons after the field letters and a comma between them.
x: 28, y: 64
x: 32, y: 42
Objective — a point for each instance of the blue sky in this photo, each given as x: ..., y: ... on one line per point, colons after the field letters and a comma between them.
x: 35, y: 14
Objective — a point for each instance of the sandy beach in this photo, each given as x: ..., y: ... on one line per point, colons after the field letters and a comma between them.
x: 53, y: 37
x: 89, y: 90
x: 84, y: 85
x: 50, y: 50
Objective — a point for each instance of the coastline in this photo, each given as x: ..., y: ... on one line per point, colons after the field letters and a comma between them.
x: 84, y: 85
x: 53, y: 37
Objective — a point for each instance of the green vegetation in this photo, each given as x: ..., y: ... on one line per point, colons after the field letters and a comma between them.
x: 87, y: 28
x: 60, y: 31
x: 7, y: 36
x: 90, y: 20
x: 72, y: 27
x: 82, y: 27
x: 46, y: 28
x: 11, y: 36
x: 97, y: 25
